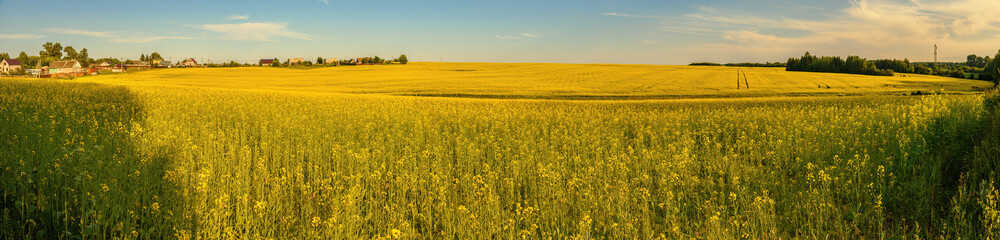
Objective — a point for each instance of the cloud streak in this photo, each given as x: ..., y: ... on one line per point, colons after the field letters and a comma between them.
x: 630, y: 15
x: 518, y: 37
x: 238, y: 17
x: 260, y: 32
x: 68, y: 31
x: 20, y: 36
x: 148, y: 39
x: 652, y: 42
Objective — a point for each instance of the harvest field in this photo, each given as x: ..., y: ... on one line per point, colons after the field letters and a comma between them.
x: 257, y: 153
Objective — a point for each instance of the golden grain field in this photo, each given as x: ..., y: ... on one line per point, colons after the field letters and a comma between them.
x: 257, y: 153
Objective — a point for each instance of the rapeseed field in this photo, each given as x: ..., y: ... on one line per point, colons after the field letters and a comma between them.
x: 548, y: 81
x: 300, y: 154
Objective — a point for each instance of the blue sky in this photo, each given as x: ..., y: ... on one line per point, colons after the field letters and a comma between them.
x: 581, y: 31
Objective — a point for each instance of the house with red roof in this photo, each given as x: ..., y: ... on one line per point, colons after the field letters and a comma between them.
x: 10, y: 66
x: 266, y: 62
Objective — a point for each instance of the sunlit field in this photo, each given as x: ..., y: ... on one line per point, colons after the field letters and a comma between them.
x: 546, y: 80
x: 260, y: 153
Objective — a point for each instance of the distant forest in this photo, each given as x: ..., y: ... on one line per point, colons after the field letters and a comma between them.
x: 975, y: 67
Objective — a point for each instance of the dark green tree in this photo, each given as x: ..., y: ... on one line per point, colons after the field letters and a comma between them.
x: 155, y: 56
x: 83, y: 56
x: 51, y: 50
x: 319, y: 60
x: 996, y: 69
x: 26, y: 61
x: 71, y: 53
x: 402, y: 59
x: 4, y: 56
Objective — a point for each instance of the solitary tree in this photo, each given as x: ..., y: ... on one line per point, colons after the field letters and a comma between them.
x: 319, y: 60
x: 402, y: 59
x: 276, y: 62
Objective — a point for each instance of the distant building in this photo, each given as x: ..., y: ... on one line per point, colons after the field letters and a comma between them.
x: 266, y: 62
x: 294, y: 61
x: 164, y: 64
x: 331, y: 61
x: 131, y: 67
x: 190, y: 62
x: 67, y: 67
x: 9, y: 65
x: 100, y: 66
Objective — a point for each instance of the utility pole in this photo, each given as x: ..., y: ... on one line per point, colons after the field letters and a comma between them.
x: 935, y: 54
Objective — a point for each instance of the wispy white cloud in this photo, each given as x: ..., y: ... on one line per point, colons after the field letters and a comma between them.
x: 70, y: 31
x: 120, y: 37
x: 875, y: 28
x: 690, y: 30
x: 652, y: 42
x: 20, y: 36
x: 262, y: 31
x: 147, y: 39
x: 238, y: 17
x: 630, y: 15
x: 519, y: 36
x: 324, y: 2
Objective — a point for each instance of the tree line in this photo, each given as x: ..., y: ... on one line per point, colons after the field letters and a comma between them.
x: 852, y: 65
x: 746, y: 64
x: 57, y: 52
x: 320, y: 61
x: 51, y: 52
x: 975, y: 67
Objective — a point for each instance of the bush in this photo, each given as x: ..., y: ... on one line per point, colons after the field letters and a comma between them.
x: 704, y: 64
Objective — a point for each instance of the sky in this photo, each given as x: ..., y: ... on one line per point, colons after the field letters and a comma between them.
x: 577, y: 31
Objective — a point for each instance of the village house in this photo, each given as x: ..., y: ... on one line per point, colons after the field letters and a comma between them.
x: 266, y: 62
x: 138, y: 67
x: 294, y: 61
x: 10, y: 65
x: 100, y: 66
x: 164, y: 64
x: 65, y: 67
x: 37, y: 71
x: 331, y: 61
x: 190, y: 62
